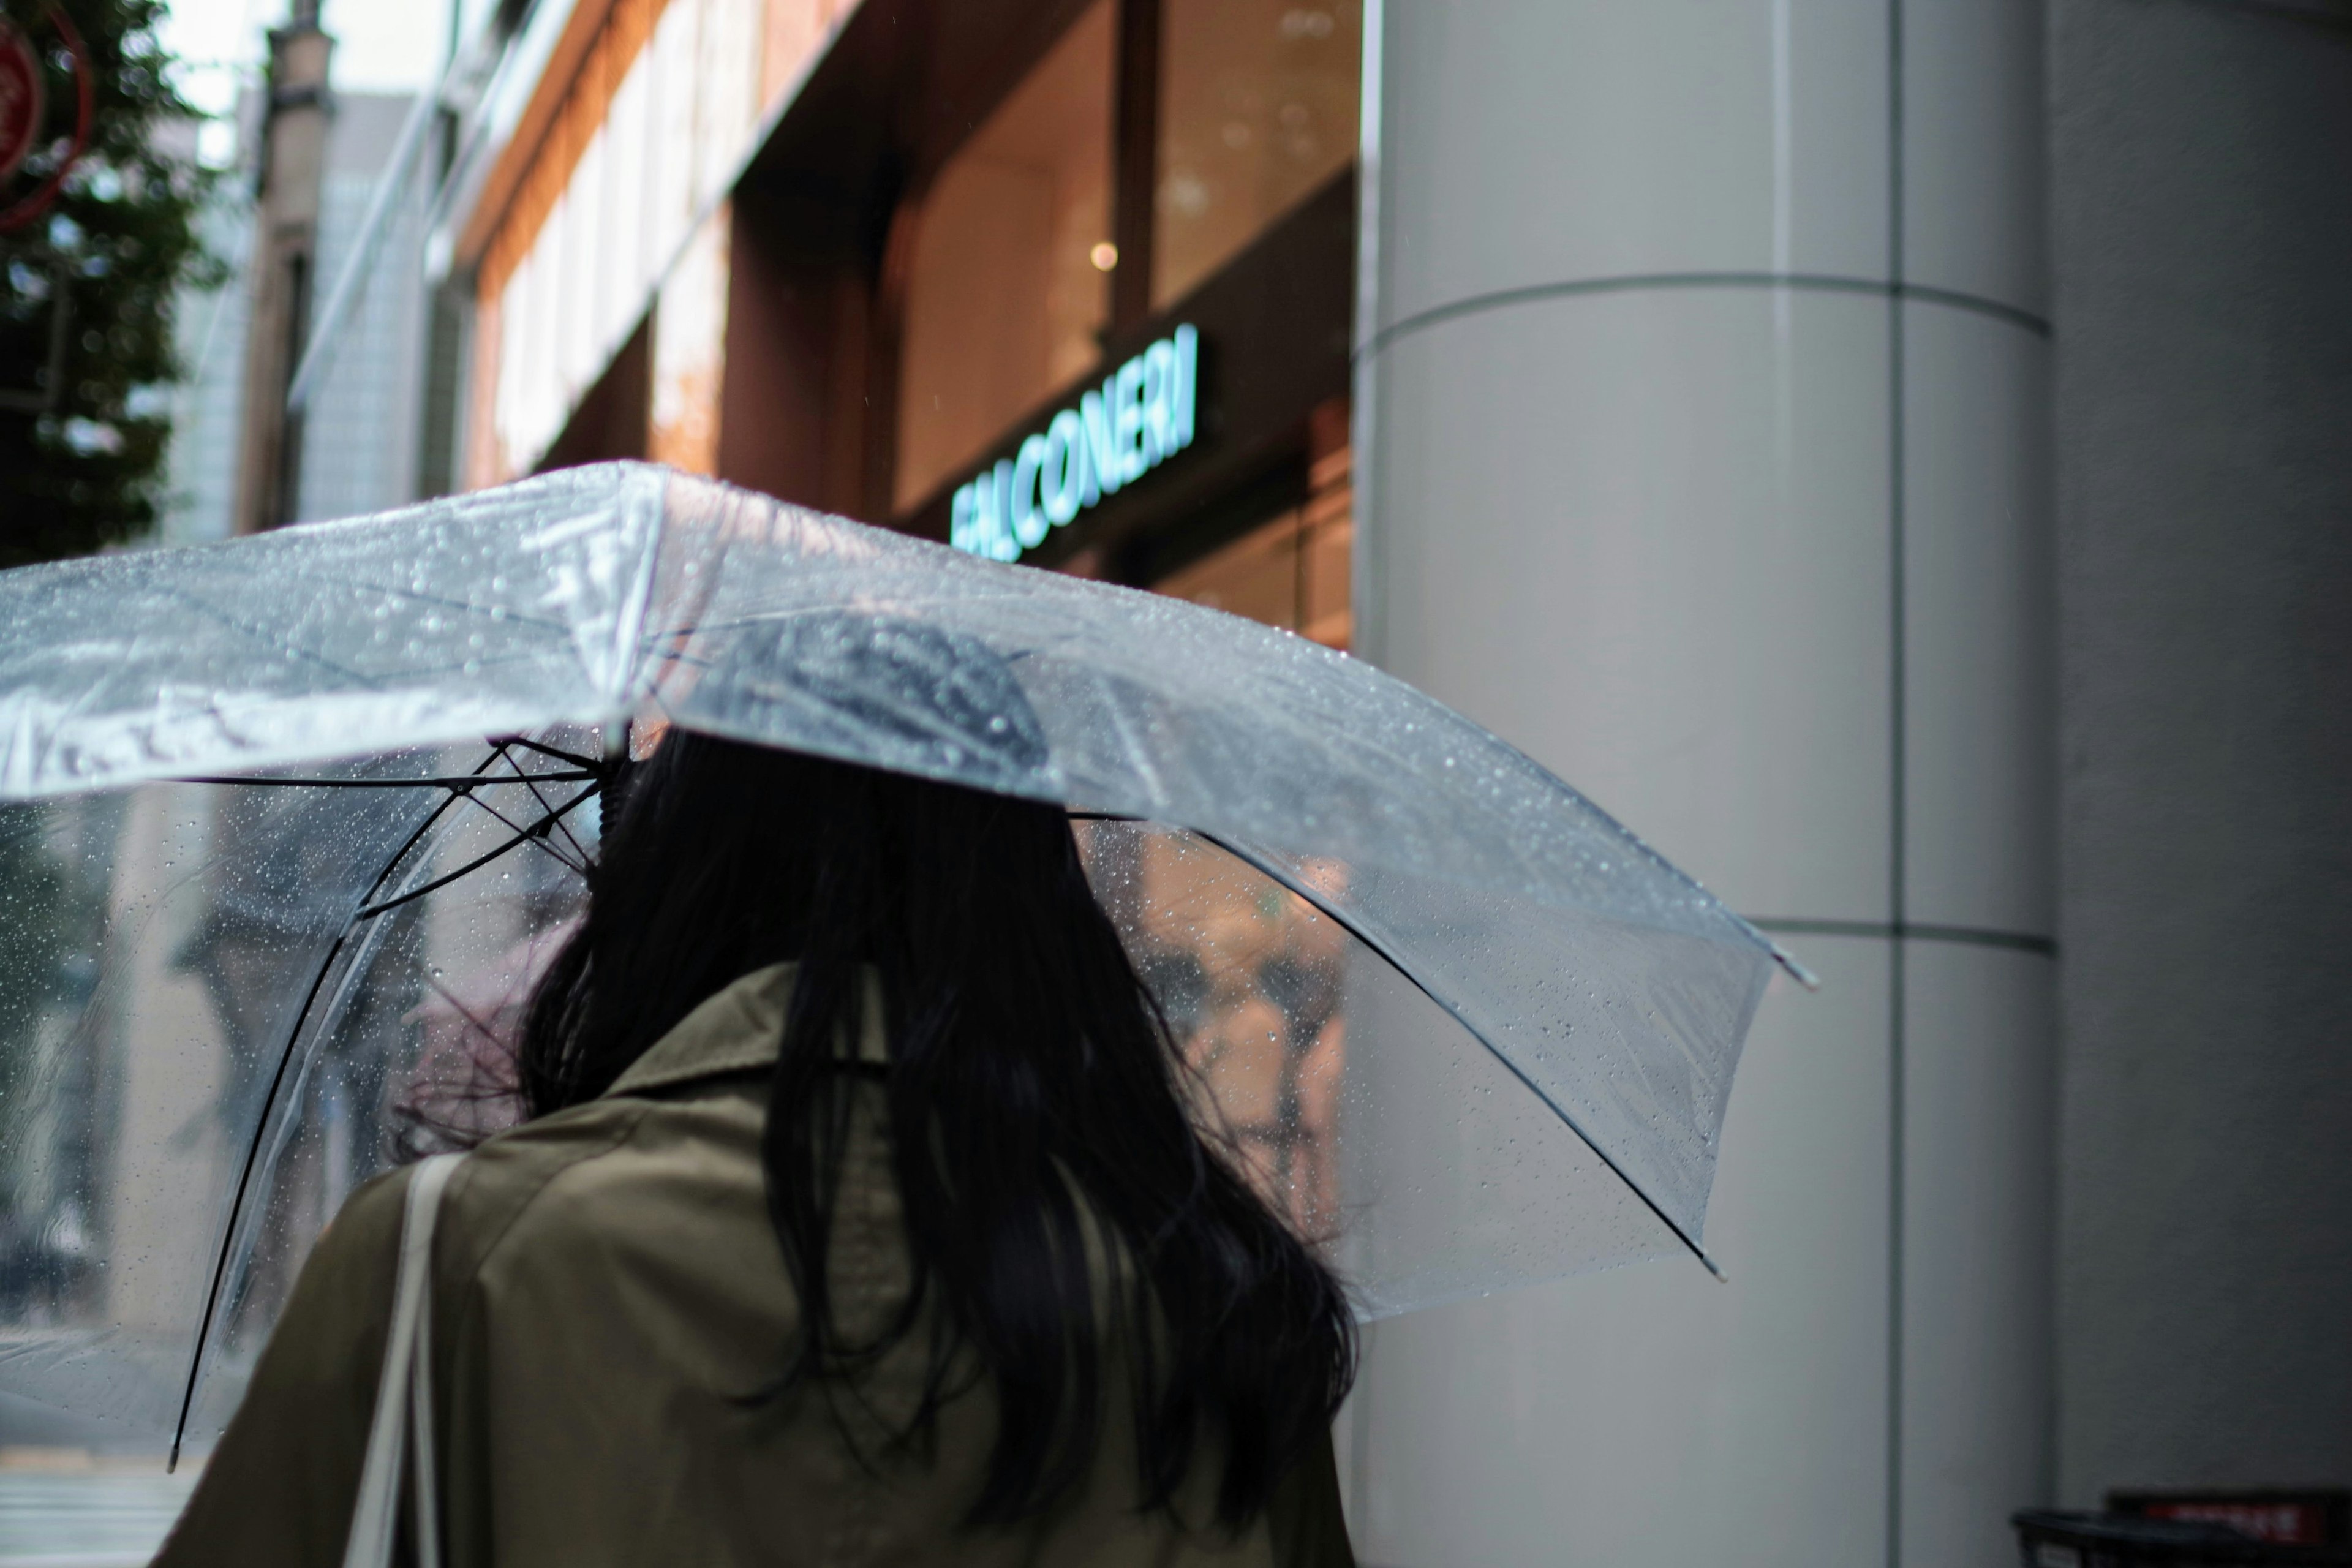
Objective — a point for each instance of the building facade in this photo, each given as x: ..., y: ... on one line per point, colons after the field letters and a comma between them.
x: 1670, y: 388
x: 360, y: 445
x: 902, y: 263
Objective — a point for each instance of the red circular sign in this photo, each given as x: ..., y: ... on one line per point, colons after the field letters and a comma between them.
x: 21, y: 102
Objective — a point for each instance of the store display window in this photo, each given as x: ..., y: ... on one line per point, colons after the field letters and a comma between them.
x: 1290, y: 571
x: 1258, y: 109
x: 1006, y: 289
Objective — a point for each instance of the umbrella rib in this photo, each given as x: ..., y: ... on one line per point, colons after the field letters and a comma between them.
x: 461, y: 785
x: 525, y: 837
x: 322, y: 580
x: 531, y: 784
x: 416, y: 596
x: 531, y: 835
x: 236, y: 1203
x: 1450, y: 1011
x: 592, y: 768
x: 527, y: 744
x: 275, y: 643
x: 536, y: 833
x: 253, y: 1151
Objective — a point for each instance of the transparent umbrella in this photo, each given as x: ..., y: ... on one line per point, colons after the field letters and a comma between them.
x: 291, y: 822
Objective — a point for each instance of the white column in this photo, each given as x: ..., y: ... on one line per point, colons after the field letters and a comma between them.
x: 1703, y: 410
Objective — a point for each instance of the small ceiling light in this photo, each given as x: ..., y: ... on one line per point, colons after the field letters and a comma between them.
x: 1105, y: 256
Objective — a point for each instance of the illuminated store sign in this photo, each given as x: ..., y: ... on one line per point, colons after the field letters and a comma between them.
x: 1141, y: 417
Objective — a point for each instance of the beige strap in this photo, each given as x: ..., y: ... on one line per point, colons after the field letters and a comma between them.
x: 405, y: 1389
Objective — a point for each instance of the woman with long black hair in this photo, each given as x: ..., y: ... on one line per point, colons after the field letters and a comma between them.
x: 859, y: 1218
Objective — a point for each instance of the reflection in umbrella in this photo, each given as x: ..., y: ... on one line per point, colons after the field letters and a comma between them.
x: 464, y: 1088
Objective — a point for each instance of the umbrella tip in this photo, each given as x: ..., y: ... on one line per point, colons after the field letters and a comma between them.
x: 1715, y: 1269
x: 1796, y: 971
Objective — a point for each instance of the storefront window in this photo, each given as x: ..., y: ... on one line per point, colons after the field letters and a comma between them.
x: 1257, y: 109
x: 1290, y: 572
x: 1007, y: 288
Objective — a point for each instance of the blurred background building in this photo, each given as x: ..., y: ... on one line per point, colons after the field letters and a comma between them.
x: 362, y: 438
x: 1893, y: 455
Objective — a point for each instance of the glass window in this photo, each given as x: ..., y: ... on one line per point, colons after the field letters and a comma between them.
x: 1257, y: 109
x: 1291, y: 572
x: 1006, y: 291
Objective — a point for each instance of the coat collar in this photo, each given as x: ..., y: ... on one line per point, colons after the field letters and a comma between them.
x: 738, y: 1029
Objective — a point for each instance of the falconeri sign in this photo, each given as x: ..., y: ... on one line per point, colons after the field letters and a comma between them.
x: 1141, y: 416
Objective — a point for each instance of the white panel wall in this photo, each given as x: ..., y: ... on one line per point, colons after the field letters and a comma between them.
x: 1668, y: 481
x: 1649, y: 1415
x: 672, y: 141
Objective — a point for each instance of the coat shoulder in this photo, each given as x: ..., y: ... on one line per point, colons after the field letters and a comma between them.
x: 495, y: 1195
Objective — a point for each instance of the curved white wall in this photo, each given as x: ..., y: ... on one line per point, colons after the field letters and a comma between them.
x: 1668, y: 483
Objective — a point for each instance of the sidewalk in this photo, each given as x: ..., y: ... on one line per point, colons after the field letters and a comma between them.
x: 100, y: 1517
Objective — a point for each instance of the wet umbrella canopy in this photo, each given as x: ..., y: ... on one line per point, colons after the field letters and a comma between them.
x: 292, y: 819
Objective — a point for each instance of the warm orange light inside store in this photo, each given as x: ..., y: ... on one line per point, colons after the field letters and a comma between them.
x: 1258, y: 109
x: 1293, y: 570
x: 1004, y: 301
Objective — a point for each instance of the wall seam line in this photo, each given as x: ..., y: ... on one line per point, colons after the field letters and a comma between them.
x: 1662, y: 282
x: 1898, y: 801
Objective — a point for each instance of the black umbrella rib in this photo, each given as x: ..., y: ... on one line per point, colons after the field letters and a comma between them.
x: 1450, y: 1011
x: 602, y: 771
x: 537, y: 829
x: 236, y: 1203
x: 464, y: 785
x: 530, y: 783
x: 537, y: 833
x: 463, y: 788
x: 590, y: 765
x: 252, y: 1152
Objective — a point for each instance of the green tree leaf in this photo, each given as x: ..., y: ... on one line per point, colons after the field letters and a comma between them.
x: 121, y: 239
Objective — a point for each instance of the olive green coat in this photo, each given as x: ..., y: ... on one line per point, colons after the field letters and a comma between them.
x: 609, y: 1301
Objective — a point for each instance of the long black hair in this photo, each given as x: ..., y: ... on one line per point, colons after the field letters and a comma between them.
x: 1026, y: 1060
